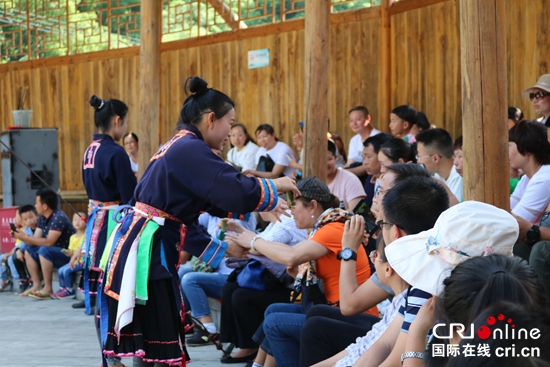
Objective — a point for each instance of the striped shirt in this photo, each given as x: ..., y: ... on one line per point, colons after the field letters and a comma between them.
x: 410, y: 306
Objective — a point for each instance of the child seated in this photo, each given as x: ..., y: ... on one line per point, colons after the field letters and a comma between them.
x: 66, y: 272
x: 6, y: 260
x: 28, y: 218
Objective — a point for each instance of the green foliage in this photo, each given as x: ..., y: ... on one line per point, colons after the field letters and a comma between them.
x: 63, y: 27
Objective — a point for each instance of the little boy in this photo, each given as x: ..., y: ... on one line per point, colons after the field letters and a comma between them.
x: 66, y: 272
x: 28, y: 218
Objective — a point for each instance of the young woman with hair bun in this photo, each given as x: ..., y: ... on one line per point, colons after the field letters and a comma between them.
x: 109, y: 182
x: 183, y: 179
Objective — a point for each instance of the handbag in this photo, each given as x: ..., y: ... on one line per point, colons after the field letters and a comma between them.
x: 265, y: 164
x: 251, y: 276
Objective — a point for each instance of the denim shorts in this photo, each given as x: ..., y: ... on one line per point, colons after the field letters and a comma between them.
x: 52, y: 254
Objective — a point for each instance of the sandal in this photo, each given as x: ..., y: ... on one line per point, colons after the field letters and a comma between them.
x: 4, y: 285
x: 40, y: 295
x: 25, y: 293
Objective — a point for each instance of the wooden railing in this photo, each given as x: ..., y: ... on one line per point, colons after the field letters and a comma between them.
x: 31, y: 30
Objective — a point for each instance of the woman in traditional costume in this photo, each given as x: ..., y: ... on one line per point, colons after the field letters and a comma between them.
x: 183, y: 179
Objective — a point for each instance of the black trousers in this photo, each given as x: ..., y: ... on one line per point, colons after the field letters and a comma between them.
x: 243, y: 312
x: 327, y: 332
x: 20, y: 266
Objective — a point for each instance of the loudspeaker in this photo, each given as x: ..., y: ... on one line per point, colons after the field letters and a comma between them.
x: 38, y: 149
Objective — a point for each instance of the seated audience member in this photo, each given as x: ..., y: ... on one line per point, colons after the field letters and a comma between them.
x: 425, y: 259
x: 396, y: 151
x: 371, y: 147
x: 435, y: 152
x: 314, y: 261
x: 537, y: 352
x: 539, y: 95
x: 340, y: 150
x: 203, y: 282
x: 418, y: 193
x: 341, y: 183
x: 515, y: 115
x: 271, y: 150
x: 359, y: 122
x: 131, y: 146
x: 243, y: 308
x: 6, y: 261
x: 243, y: 154
x: 29, y: 218
x: 473, y: 285
x: 67, y: 271
x: 529, y: 150
x: 422, y: 124
x: 402, y: 120
x: 43, y: 251
x: 458, y: 156
x: 534, y: 246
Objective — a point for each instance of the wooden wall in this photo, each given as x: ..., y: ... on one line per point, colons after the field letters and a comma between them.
x: 425, y: 72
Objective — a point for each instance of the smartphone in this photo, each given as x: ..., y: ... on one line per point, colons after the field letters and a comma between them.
x: 362, y: 208
x: 13, y: 227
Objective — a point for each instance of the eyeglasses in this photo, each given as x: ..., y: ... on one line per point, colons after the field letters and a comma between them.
x: 381, y: 223
x: 537, y: 96
x: 373, y: 256
x: 424, y: 156
x: 380, y: 191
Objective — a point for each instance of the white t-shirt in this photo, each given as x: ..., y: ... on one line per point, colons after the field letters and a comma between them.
x: 532, y: 196
x: 134, y: 165
x: 245, y: 158
x: 346, y: 186
x: 355, y: 151
x: 454, y: 183
x: 279, y: 155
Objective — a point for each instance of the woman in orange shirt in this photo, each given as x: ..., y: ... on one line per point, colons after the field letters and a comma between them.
x: 315, y: 263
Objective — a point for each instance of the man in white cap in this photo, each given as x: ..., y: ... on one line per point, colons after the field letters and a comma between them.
x: 539, y: 95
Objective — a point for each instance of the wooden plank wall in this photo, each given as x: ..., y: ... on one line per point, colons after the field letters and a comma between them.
x: 425, y: 73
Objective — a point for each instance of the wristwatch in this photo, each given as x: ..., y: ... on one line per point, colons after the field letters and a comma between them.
x: 347, y: 254
x: 533, y: 234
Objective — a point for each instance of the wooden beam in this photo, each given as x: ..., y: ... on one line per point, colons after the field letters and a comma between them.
x: 385, y: 82
x: 231, y: 19
x: 316, y: 87
x: 408, y: 5
x: 484, y: 101
x: 149, y: 76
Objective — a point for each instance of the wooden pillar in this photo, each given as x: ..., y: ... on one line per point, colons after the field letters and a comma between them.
x: 384, y: 85
x: 149, y: 71
x: 316, y: 87
x: 484, y: 101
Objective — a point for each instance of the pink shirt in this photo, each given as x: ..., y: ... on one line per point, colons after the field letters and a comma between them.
x: 346, y: 186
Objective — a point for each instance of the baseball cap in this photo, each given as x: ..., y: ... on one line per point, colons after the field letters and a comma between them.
x: 461, y: 232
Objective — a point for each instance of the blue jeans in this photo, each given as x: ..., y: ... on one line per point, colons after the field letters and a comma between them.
x: 13, y: 268
x: 282, y: 326
x: 196, y: 287
x: 66, y: 277
x: 4, y: 274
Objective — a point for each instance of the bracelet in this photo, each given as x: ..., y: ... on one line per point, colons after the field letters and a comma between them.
x: 252, y: 243
x: 411, y: 355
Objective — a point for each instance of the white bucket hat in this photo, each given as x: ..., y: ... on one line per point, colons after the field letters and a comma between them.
x: 463, y: 231
x: 543, y: 83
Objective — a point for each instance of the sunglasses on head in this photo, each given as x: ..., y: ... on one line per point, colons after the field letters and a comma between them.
x: 538, y: 95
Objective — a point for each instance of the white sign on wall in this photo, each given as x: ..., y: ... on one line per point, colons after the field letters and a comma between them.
x: 258, y: 58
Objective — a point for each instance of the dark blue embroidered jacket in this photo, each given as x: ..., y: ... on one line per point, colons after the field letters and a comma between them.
x: 106, y: 171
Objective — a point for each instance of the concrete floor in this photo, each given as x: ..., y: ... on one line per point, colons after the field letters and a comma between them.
x: 51, y: 333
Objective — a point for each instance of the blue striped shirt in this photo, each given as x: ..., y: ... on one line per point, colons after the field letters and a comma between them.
x: 410, y: 306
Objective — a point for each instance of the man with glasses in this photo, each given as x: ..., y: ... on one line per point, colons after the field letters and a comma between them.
x: 435, y: 152
x: 539, y: 95
x: 414, y: 204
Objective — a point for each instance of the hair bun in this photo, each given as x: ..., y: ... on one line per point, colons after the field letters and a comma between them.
x: 197, y: 85
x: 95, y: 102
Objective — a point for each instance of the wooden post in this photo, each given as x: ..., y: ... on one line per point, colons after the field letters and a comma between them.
x: 384, y: 85
x: 316, y: 87
x: 484, y: 101
x: 149, y: 71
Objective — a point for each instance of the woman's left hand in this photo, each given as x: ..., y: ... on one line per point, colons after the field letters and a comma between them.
x: 242, y: 239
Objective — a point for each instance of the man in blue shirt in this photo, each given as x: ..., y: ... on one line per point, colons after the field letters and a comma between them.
x: 44, y: 249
